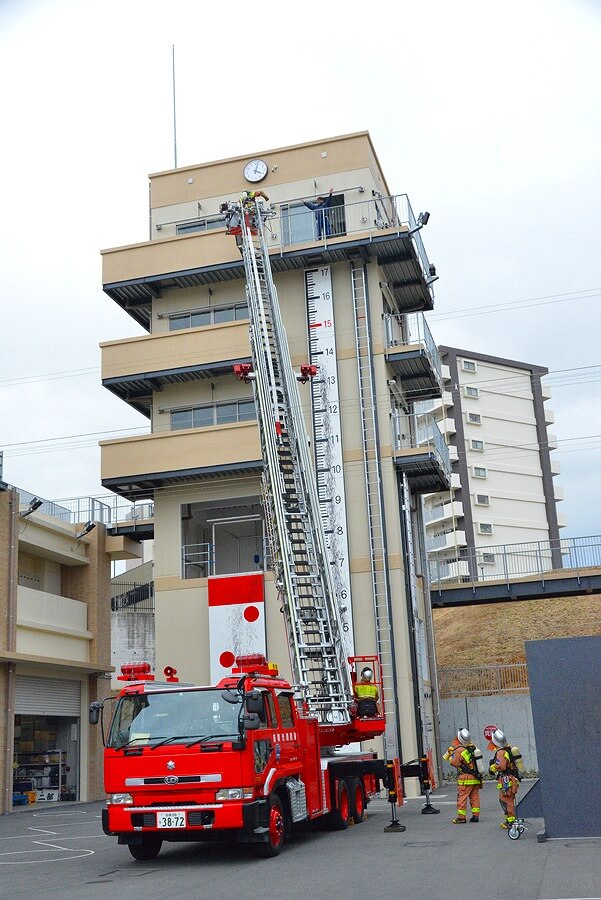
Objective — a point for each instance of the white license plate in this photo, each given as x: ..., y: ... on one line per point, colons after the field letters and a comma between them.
x: 171, y: 820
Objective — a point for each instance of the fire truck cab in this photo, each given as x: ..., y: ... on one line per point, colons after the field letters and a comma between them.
x: 243, y: 760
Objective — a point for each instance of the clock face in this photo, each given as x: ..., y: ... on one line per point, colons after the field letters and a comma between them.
x: 255, y: 170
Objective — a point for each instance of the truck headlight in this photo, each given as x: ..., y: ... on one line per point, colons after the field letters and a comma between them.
x: 234, y: 794
x: 120, y: 799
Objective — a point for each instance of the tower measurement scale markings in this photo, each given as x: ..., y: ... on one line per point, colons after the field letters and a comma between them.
x: 327, y: 437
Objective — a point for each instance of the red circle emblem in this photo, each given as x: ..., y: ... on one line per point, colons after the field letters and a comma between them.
x: 251, y: 613
x: 227, y: 659
x: 488, y: 731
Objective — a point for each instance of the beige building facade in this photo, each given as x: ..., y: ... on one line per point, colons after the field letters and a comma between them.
x: 366, y: 280
x: 502, y: 510
x: 54, y: 650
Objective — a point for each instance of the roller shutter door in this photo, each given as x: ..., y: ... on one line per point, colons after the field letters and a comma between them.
x: 47, y: 696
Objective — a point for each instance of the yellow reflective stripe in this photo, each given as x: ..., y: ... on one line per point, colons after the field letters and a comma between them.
x: 475, y: 809
x: 468, y: 780
x: 460, y: 812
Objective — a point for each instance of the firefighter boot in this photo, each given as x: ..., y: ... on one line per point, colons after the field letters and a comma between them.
x: 475, y: 819
x: 458, y: 820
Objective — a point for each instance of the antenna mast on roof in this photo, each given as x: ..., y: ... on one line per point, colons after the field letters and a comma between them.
x: 174, y: 128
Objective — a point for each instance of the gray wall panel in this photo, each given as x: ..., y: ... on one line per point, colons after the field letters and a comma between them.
x: 565, y: 688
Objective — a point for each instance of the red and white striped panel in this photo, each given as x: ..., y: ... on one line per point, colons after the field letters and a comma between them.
x: 236, y: 620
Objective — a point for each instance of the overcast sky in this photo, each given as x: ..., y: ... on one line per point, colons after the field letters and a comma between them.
x: 488, y: 115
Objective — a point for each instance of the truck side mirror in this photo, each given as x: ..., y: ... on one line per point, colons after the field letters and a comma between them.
x: 254, y: 702
x: 251, y: 721
x: 94, y: 713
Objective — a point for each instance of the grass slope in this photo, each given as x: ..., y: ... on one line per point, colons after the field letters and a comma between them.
x: 482, y: 635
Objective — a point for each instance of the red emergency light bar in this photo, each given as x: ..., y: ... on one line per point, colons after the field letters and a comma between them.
x: 244, y: 372
x: 256, y: 663
x: 135, y: 672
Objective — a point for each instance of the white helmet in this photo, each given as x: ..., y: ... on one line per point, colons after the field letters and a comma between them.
x: 498, y: 738
x: 463, y: 736
x: 367, y: 673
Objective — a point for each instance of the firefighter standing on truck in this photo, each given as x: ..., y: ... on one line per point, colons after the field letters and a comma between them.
x: 366, y: 694
x: 464, y: 758
x: 504, y: 767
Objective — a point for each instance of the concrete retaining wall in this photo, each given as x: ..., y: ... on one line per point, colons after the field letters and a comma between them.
x: 511, y: 712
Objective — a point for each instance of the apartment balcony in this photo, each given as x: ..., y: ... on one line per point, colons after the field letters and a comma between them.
x: 551, y: 441
x: 51, y: 625
x: 555, y: 466
x: 451, y: 540
x: 422, y: 455
x: 136, y: 466
x: 442, y: 570
x: 562, y: 520
x: 436, y: 515
x: 383, y: 229
x: 557, y: 492
x: 135, y: 367
x: 413, y: 356
x: 549, y: 416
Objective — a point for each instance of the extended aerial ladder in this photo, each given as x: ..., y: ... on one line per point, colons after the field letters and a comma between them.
x: 294, y: 526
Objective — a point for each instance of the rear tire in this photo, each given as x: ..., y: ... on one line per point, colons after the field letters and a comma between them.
x: 150, y: 849
x: 357, y: 800
x: 339, y: 818
x: 276, y: 826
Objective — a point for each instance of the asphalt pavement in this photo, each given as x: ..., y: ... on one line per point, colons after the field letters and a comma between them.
x: 61, y: 852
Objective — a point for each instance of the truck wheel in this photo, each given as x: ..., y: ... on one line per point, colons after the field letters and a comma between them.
x: 339, y: 817
x: 358, y: 800
x: 275, y: 829
x: 150, y: 849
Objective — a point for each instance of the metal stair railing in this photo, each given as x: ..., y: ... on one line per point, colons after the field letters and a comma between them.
x: 298, y: 545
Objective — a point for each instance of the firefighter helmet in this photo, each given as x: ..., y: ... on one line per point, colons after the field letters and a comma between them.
x: 463, y: 736
x: 498, y: 738
x: 367, y: 673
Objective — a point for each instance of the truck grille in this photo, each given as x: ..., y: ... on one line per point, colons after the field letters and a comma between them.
x: 202, y: 817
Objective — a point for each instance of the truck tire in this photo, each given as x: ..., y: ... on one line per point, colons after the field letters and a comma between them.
x: 150, y: 849
x: 357, y: 800
x: 276, y: 827
x: 339, y: 818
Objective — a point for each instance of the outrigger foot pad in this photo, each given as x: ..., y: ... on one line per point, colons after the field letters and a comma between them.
x: 395, y: 828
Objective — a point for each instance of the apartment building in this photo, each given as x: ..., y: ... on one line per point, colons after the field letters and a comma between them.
x: 352, y: 301
x: 54, y: 649
x: 501, y: 511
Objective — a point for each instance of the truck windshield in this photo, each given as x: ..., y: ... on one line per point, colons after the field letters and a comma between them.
x: 145, y: 719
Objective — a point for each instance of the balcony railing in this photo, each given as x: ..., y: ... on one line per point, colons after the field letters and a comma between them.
x: 511, y: 562
x: 294, y: 223
x: 73, y: 511
x: 108, y: 509
x: 133, y: 597
x: 409, y: 329
x: 198, y: 560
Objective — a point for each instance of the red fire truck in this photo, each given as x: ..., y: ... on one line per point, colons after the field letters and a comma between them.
x: 254, y: 755
x: 244, y: 759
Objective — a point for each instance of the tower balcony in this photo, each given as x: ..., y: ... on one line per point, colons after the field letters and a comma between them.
x: 383, y: 229
x: 436, y: 515
x: 135, y: 367
x: 413, y: 355
x: 136, y: 466
x: 422, y: 455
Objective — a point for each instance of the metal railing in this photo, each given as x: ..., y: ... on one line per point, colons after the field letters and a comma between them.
x: 510, y: 562
x: 108, y: 509
x: 412, y: 328
x: 294, y: 223
x: 133, y: 597
x: 198, y: 560
x: 412, y: 431
x: 482, y: 680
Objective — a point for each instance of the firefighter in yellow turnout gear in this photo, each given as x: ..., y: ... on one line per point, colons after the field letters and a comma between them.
x: 506, y: 766
x: 466, y: 758
x: 366, y: 695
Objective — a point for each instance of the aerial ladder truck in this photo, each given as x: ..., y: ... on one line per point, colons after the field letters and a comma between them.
x: 256, y: 755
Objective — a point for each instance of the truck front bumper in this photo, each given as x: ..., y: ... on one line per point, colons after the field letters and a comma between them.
x: 247, y: 818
